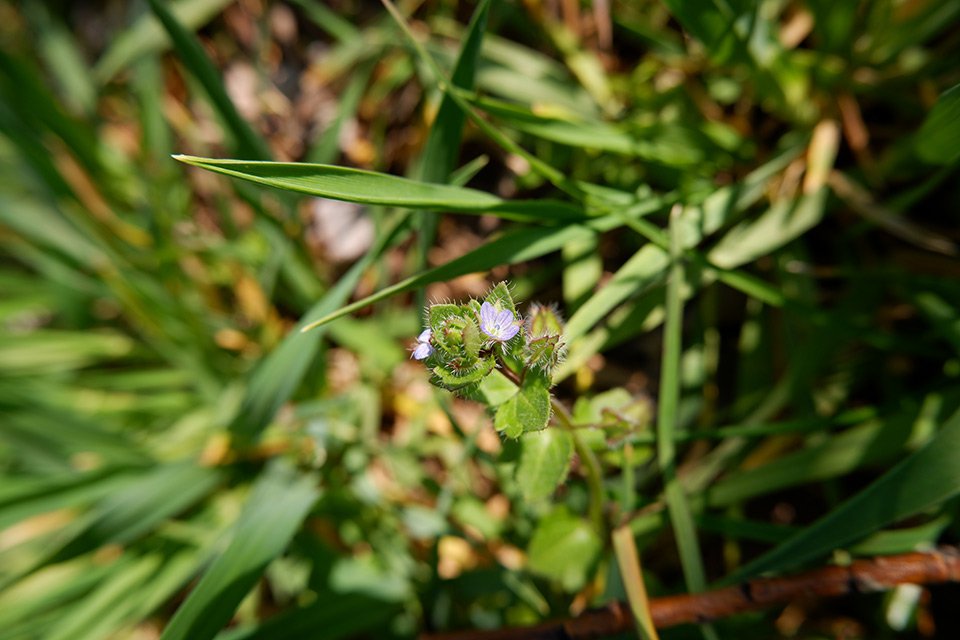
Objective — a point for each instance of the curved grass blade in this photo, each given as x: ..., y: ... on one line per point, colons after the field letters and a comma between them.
x: 146, y: 36
x: 249, y: 144
x: 510, y: 248
x: 273, y: 514
x: 443, y: 143
x: 371, y: 187
x: 926, y: 478
x: 681, y: 518
x: 938, y: 140
x: 279, y: 373
x: 331, y: 617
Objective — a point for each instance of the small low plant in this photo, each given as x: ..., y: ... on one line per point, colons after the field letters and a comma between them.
x: 210, y: 428
x: 486, y: 350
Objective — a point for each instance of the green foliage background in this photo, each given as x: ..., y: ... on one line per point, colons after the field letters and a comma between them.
x: 178, y: 460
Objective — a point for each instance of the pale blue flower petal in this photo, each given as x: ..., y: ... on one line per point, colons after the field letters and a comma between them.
x: 509, y: 331
x: 498, y: 325
x: 422, y: 351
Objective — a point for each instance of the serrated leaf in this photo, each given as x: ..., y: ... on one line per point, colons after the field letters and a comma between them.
x: 440, y: 312
x: 564, y: 548
x: 544, y: 462
x: 471, y: 338
x: 460, y: 379
x: 500, y: 297
x: 496, y: 389
x: 528, y: 410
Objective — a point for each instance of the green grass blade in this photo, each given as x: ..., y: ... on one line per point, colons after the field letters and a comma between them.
x: 442, y: 149
x: 24, y: 497
x: 681, y: 517
x: 510, y: 248
x: 862, y: 446
x: 371, y: 187
x: 147, y: 36
x: 938, y: 140
x: 443, y: 143
x: 925, y: 479
x: 550, y: 173
x: 249, y: 144
x: 273, y: 514
x: 63, y: 58
x: 278, y: 375
x: 329, y: 20
x: 649, y: 263
x: 106, y: 607
x: 781, y: 223
x: 22, y: 88
x: 333, y: 616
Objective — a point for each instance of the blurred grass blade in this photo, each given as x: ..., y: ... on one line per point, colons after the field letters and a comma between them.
x: 371, y: 187
x: 871, y: 443
x: 274, y: 512
x: 649, y: 263
x: 23, y: 91
x: 195, y: 60
x: 147, y: 36
x: 442, y: 149
x: 631, y: 573
x: 573, y: 131
x: 23, y: 497
x: 64, y: 58
x: 510, y: 248
x: 329, y: 20
x: 678, y: 508
x: 550, y: 173
x: 130, y: 511
x: 279, y: 374
x: 105, y: 608
x: 331, y: 617
x: 781, y: 223
x: 925, y: 479
x: 938, y: 140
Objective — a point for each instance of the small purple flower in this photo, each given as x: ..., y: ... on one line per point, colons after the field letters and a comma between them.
x: 423, y: 350
x: 498, y: 325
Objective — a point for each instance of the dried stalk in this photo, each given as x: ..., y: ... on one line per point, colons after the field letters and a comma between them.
x: 861, y: 576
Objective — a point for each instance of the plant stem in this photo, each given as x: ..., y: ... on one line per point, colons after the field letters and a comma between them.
x: 593, y: 471
x: 594, y: 474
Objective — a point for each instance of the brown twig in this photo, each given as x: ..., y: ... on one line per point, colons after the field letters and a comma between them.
x: 861, y: 576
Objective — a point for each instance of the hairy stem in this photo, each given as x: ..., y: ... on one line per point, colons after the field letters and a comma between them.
x: 591, y: 465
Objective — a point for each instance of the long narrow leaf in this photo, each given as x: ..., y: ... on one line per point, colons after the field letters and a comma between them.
x: 443, y: 144
x: 371, y: 187
x: 924, y: 479
x: 274, y: 512
x: 249, y: 144
x: 510, y: 248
